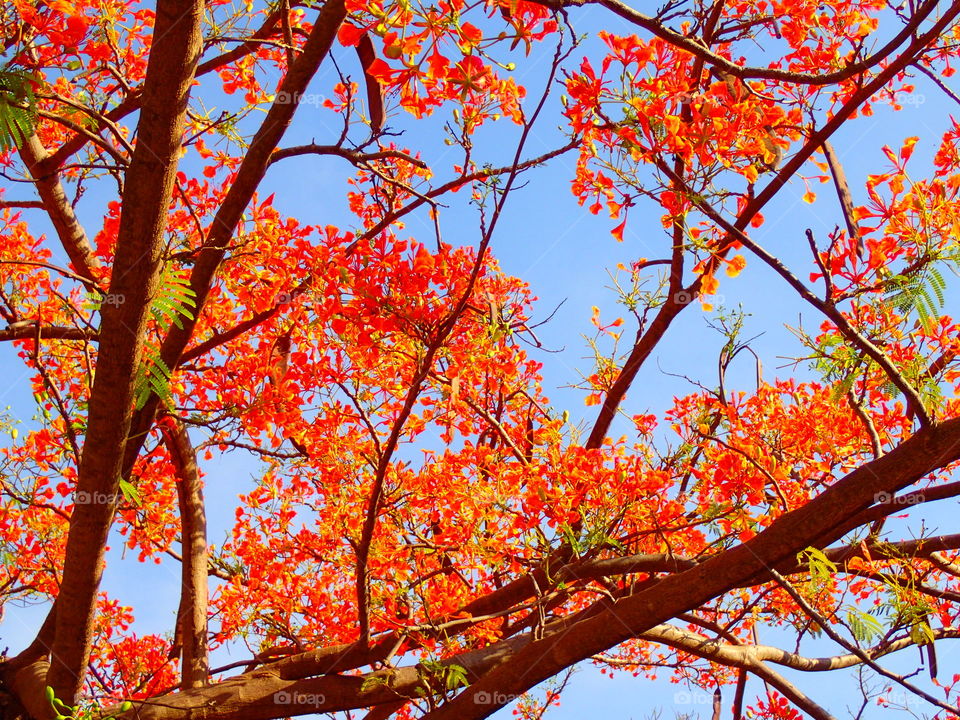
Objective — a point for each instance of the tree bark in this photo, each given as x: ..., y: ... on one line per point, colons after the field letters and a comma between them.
x: 147, y: 194
x: 191, y: 628
x: 65, y: 222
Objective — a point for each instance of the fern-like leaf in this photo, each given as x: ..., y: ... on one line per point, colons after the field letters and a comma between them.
x: 153, y: 378
x: 174, y: 300
x: 18, y: 108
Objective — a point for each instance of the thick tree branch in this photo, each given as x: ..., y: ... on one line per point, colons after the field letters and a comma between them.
x: 816, y: 522
x: 143, y: 222
x: 744, y: 657
x: 262, y: 694
x: 252, y: 170
x: 192, y: 615
x: 249, y: 174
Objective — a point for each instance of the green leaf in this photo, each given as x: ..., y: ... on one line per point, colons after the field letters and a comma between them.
x: 129, y: 491
x: 863, y: 625
x: 821, y: 567
x: 456, y: 676
x: 18, y: 108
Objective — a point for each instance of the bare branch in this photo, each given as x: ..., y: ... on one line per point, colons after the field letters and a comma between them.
x: 699, y: 50
x: 28, y: 330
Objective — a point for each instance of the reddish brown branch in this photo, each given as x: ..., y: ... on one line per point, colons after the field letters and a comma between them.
x: 191, y: 630
x: 43, y: 171
x: 146, y: 197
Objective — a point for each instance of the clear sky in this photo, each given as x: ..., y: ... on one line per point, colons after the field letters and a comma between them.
x: 565, y: 254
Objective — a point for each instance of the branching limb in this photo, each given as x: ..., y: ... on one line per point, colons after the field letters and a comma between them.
x: 140, y: 236
x: 54, y: 198
x: 853, y: 336
x: 861, y: 655
x: 696, y: 48
x: 192, y: 614
x: 750, y: 658
x: 356, y: 157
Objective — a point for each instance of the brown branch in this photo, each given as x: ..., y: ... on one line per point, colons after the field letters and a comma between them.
x: 356, y: 157
x: 72, y: 236
x: 566, y: 643
x: 864, y: 656
x: 106, y: 147
x: 146, y: 197
x: 262, y: 694
x: 938, y: 81
x: 694, y: 46
x: 850, y: 333
x: 382, y: 712
x: 744, y: 657
x: 367, y: 55
x: 91, y: 285
x: 191, y: 628
x: 347, y: 657
x: 252, y: 170
x: 887, y: 504
x: 867, y: 422
x: 27, y: 330
x: 675, y: 301
x: 247, y: 46
x: 747, y: 656
x: 28, y: 685
x: 249, y: 175
x: 22, y: 204
x: 241, y: 327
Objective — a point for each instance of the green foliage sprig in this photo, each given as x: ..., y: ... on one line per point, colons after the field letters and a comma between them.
x: 18, y: 108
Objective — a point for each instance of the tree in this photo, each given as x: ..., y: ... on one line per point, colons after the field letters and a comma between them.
x: 372, y: 566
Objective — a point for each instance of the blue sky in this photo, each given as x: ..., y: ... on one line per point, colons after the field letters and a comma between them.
x: 565, y: 254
